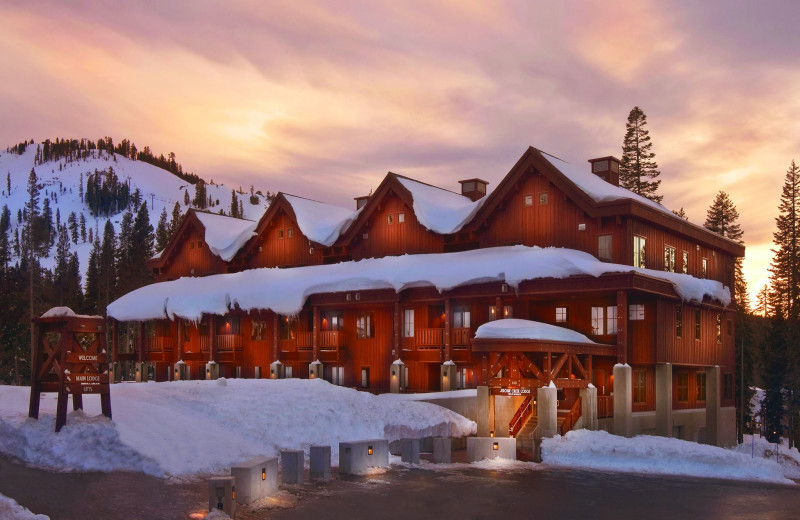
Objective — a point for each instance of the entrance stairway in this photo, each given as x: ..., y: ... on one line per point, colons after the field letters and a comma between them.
x: 566, y: 420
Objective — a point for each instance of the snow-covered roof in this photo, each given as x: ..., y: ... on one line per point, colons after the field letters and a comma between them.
x: 285, y: 291
x: 440, y: 210
x: 513, y: 328
x: 66, y: 312
x: 320, y: 222
x: 225, y: 235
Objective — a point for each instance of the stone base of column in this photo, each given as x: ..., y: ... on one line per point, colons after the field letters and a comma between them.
x: 664, y: 399
x: 315, y: 370
x: 448, y: 376
x: 276, y: 370
x: 485, y: 423
x: 397, y: 376
x: 623, y: 397
x: 589, y: 407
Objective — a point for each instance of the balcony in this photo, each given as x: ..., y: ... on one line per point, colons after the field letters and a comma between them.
x: 228, y: 342
x: 429, y: 339
x: 605, y: 406
x: 159, y: 344
x: 300, y: 341
x: 460, y: 338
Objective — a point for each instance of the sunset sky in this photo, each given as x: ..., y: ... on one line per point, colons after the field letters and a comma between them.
x: 323, y: 99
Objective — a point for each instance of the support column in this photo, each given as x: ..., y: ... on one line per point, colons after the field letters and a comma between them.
x: 664, y: 399
x: 179, y: 346
x: 622, y: 327
x: 448, y: 376
x: 448, y: 319
x: 483, y: 411
x: 212, y: 339
x: 140, y: 341
x: 589, y: 407
x: 623, y: 397
x: 315, y: 370
x: 713, y: 401
x: 547, y: 411
x: 398, y: 326
x: 315, y: 336
x: 397, y: 376
x: 275, y: 328
x: 276, y: 370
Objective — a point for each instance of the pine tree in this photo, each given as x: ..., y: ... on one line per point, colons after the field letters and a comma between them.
x: 83, y: 228
x: 72, y: 224
x: 8, y: 183
x: 107, y: 272
x: 723, y: 219
x: 200, y: 198
x: 773, y: 375
x: 234, y: 205
x: 681, y: 213
x: 638, y: 171
x: 176, y: 219
x: 61, y: 271
x: 92, y: 291
x: 186, y: 198
x: 785, y: 268
x: 162, y: 231
x: 80, y: 187
x: 5, y: 243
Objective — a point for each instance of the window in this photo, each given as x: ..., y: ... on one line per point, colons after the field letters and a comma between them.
x: 508, y: 311
x: 290, y: 233
x: 191, y: 244
x: 401, y: 217
x: 365, y: 236
x: 679, y: 320
x: 611, y: 319
x: 333, y: 321
x: 604, y: 247
x: 639, y: 251
x: 597, y: 321
x: 464, y: 379
x: 727, y: 386
x: 365, y: 325
x: 462, y: 319
x: 337, y: 376
x: 258, y: 330
x: 408, y: 323
x: 685, y: 266
x: 704, y: 272
x: 529, y: 200
x: 701, y: 386
x: 228, y: 325
x: 636, y: 312
x: 719, y: 328
x: 561, y: 314
x: 287, y: 372
x: 390, y: 219
x: 199, y: 244
x: 492, y: 312
x: 364, y: 377
x: 669, y: 259
x: 697, y: 324
x: 280, y: 233
x: 288, y: 325
x: 542, y: 197
x: 639, y: 387
x: 683, y: 387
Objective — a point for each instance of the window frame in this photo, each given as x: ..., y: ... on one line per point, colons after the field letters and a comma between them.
x: 639, y: 386
x: 700, y: 386
x: 562, y: 314
x: 682, y: 387
x: 607, y: 249
x: 685, y: 259
x: 669, y: 258
x: 364, y: 377
x: 636, y: 312
x: 544, y: 198
x: 408, y: 324
x: 640, y: 251
x: 365, y: 325
x: 598, y: 321
x: 527, y: 200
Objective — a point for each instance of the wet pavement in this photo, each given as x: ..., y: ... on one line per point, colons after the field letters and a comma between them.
x: 403, y: 493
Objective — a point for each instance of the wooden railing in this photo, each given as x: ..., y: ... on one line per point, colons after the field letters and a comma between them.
x: 573, y: 415
x: 605, y: 406
x: 205, y: 344
x: 460, y: 337
x: 228, y: 342
x: 331, y: 340
x: 159, y: 344
x: 429, y: 338
x: 520, y: 416
x: 304, y: 340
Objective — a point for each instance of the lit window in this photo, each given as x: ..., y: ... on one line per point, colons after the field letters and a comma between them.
x: 679, y: 320
x: 287, y: 372
x: 639, y: 387
x: 508, y: 311
x: 604, y: 247
x: 611, y: 319
x: 561, y: 314
x: 697, y: 324
x: 685, y: 266
x: 408, y: 323
x: 529, y: 200
x: 492, y: 312
x: 290, y: 233
x: 364, y: 325
x: 390, y: 219
x: 701, y: 386
x: 639, y: 251
x: 669, y: 259
x: 280, y: 233
x: 719, y: 328
x: 364, y: 377
x: 636, y: 312
x: 462, y: 319
x: 543, y: 197
x: 683, y: 387
x: 401, y: 217
x: 597, y: 321
x: 704, y: 273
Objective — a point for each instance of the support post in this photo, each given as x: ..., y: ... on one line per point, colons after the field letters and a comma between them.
x: 622, y: 327
x: 483, y: 411
x: 589, y: 407
x: 179, y: 346
x: 448, y: 379
x: 140, y: 341
x: 713, y: 401
x: 447, y: 328
x: 275, y: 327
x: 398, y: 326
x: 212, y: 339
x: 547, y: 411
x: 315, y: 334
x: 623, y: 409
x: 664, y: 399
x: 315, y: 370
x: 396, y: 376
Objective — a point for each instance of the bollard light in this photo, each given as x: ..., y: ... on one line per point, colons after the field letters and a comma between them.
x: 393, y: 374
x: 495, y: 446
x: 263, y: 473
x: 369, y: 450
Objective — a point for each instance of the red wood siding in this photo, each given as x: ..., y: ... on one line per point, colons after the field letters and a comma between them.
x: 687, y: 350
x: 193, y: 258
x: 288, y: 251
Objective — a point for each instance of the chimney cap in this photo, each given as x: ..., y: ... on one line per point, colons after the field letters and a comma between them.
x: 606, y: 158
x: 474, y: 180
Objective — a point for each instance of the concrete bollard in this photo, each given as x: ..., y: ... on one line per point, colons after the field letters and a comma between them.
x: 479, y: 448
x: 355, y: 458
x: 409, y: 451
x: 442, y: 446
x: 315, y: 370
x: 212, y: 371
x: 320, y: 462
x: 292, y: 462
x: 397, y: 379
x: 257, y: 373
x: 276, y: 370
x: 181, y: 371
x: 256, y: 479
x: 222, y: 495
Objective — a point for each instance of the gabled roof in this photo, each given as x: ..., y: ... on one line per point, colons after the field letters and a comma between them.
x: 223, y: 235
x: 597, y: 198
x: 437, y: 209
x: 321, y: 223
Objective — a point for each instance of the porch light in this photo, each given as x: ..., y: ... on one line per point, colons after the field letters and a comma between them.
x: 393, y: 374
x: 495, y: 446
x: 233, y: 493
x: 263, y: 473
x: 491, y: 433
x: 311, y: 375
x: 369, y: 450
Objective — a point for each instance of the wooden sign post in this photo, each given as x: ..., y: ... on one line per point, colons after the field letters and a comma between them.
x: 69, y: 358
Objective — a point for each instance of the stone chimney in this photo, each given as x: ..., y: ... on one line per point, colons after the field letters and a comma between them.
x: 607, y: 168
x: 473, y: 189
x: 360, y: 201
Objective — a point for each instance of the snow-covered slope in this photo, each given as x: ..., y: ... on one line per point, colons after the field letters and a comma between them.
x: 159, y: 188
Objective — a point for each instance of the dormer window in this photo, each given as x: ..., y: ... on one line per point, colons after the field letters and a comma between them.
x: 390, y: 219
x: 280, y: 234
x: 401, y: 217
x: 290, y: 233
x: 529, y: 200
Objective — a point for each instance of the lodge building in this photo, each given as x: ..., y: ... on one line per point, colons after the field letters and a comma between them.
x: 573, y: 282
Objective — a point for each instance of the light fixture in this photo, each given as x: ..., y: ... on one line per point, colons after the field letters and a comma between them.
x: 311, y: 376
x: 495, y: 446
x: 369, y: 450
x: 491, y: 433
x: 393, y: 374
x: 263, y: 473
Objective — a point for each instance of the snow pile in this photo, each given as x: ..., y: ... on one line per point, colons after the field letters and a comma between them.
x: 321, y: 223
x: 658, y: 455
x: 10, y: 510
x: 513, y: 328
x: 65, y: 312
x: 285, y: 290
x: 758, y: 447
x: 440, y: 210
x: 225, y: 235
x: 191, y: 428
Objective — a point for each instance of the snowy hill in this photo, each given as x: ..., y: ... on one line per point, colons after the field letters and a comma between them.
x: 60, y: 181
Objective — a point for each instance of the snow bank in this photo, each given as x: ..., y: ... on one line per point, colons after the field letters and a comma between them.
x: 59, y: 312
x: 191, y: 428
x: 321, y: 223
x: 225, y: 235
x: 755, y: 446
x: 512, y: 328
x: 10, y: 510
x: 285, y: 290
x: 658, y: 455
x: 440, y: 210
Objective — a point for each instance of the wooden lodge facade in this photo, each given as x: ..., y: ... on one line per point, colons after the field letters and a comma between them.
x: 647, y: 340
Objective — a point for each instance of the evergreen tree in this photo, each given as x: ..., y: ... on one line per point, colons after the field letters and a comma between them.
x: 5, y: 243
x: 234, y: 205
x: 58, y: 217
x: 92, y: 290
x: 241, y: 209
x: 162, y: 231
x: 785, y: 268
x: 773, y: 376
x: 47, y: 224
x: 72, y: 223
x: 8, y: 183
x: 83, y: 228
x: 176, y: 219
x: 107, y: 272
x: 638, y: 171
x: 61, y: 272
x: 681, y: 213
x: 723, y: 219
x: 200, y: 198
x: 186, y: 198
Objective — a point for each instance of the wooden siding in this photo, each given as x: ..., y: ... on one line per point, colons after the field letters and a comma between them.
x: 288, y: 251
x: 397, y: 238
x: 687, y: 350
x: 193, y: 258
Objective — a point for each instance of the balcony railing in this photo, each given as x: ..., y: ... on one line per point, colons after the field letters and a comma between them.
x: 331, y: 340
x: 228, y: 342
x: 429, y: 338
x: 460, y: 337
x: 298, y: 341
x: 159, y: 344
x: 605, y: 406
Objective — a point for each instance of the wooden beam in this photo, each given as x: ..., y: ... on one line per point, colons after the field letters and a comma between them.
x: 622, y: 327
x: 315, y: 332
x: 580, y: 368
x: 447, y: 328
x: 559, y: 364
x: 398, y: 326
